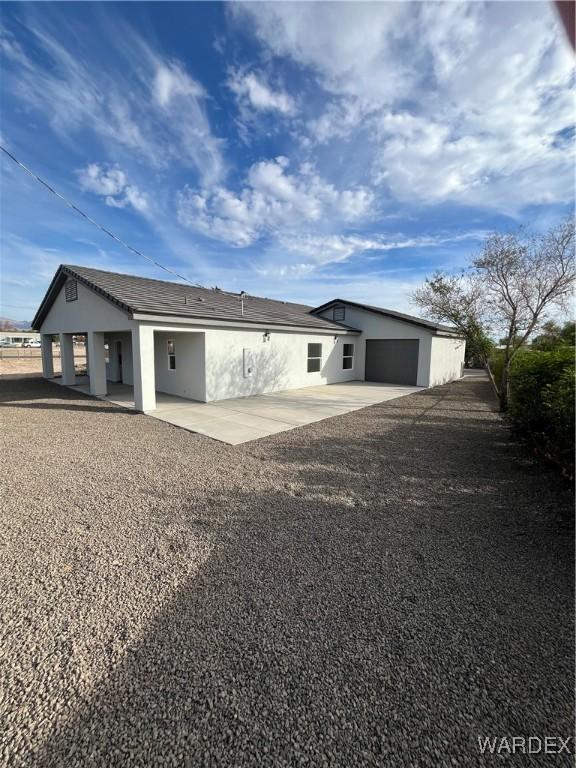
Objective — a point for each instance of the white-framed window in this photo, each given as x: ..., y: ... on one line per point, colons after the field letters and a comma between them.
x: 339, y: 313
x: 171, y: 350
x: 347, y: 356
x: 314, y: 358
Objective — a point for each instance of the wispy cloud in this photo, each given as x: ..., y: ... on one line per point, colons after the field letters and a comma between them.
x: 157, y: 110
x: 320, y: 250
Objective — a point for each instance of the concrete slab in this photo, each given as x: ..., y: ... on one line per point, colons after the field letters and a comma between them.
x: 240, y: 420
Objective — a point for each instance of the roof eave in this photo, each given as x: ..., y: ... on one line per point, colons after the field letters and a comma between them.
x: 64, y: 271
x: 437, y: 330
x: 141, y: 315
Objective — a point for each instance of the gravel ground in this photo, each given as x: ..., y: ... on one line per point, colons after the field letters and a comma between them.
x: 33, y: 364
x: 377, y: 589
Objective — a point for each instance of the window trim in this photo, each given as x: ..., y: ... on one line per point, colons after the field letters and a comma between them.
x: 347, y: 357
x: 171, y: 356
x: 313, y: 357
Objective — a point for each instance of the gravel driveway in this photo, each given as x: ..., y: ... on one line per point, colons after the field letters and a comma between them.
x: 378, y: 589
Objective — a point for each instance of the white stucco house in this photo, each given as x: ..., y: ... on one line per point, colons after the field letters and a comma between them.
x: 207, y: 344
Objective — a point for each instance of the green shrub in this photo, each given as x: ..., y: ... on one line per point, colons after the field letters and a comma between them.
x: 541, y: 407
x: 496, y: 363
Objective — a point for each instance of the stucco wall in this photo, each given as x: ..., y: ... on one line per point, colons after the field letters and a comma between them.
x: 111, y: 368
x: 447, y: 360
x: 375, y: 326
x: 90, y: 312
x: 187, y: 379
x: 280, y: 363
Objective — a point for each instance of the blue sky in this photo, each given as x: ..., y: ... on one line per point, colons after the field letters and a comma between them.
x: 299, y: 151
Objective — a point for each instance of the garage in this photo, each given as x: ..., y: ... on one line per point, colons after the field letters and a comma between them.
x: 393, y: 361
x: 399, y: 349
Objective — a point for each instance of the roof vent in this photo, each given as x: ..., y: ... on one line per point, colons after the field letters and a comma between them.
x: 71, y: 290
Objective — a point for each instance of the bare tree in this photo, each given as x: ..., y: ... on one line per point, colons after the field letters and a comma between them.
x: 458, y: 300
x: 511, y: 288
x: 523, y: 278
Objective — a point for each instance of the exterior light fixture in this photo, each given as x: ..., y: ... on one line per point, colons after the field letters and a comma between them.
x: 266, y: 335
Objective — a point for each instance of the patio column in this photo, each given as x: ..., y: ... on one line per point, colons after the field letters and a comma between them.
x: 97, y: 356
x: 143, y: 365
x: 67, y: 359
x: 47, y: 356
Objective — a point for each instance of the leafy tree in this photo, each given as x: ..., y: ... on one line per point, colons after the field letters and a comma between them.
x: 554, y: 336
x: 510, y: 288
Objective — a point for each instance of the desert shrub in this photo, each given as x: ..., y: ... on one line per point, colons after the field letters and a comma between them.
x: 541, y: 407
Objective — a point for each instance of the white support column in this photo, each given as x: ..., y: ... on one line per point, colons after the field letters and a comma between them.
x: 87, y: 357
x: 97, y: 356
x: 47, y: 356
x: 143, y: 365
x: 67, y: 359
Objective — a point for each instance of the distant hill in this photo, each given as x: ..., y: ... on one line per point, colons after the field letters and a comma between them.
x: 14, y: 325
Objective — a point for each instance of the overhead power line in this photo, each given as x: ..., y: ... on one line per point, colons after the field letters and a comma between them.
x: 95, y: 223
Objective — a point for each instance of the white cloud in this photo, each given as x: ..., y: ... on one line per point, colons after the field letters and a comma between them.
x: 348, y: 45
x: 320, y: 250
x: 459, y: 102
x: 112, y: 184
x: 255, y: 92
x: 171, y: 81
x: 180, y: 102
x: 152, y: 107
x: 271, y: 201
x: 340, y: 119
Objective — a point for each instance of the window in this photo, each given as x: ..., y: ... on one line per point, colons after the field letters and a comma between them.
x: 314, y: 357
x: 71, y: 290
x: 347, y: 356
x: 171, y: 355
x: 339, y: 314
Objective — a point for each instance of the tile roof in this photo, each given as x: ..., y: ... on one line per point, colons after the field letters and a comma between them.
x: 141, y: 295
x: 393, y: 314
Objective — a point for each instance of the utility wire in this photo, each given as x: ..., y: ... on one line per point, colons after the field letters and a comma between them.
x: 95, y: 223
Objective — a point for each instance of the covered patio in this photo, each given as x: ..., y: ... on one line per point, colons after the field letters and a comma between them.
x: 242, y: 419
x: 125, y: 364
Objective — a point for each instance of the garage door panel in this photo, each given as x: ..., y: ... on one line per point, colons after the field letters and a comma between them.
x: 394, y: 361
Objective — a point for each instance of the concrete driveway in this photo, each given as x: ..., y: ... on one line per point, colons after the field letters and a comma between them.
x: 242, y: 419
x: 247, y: 418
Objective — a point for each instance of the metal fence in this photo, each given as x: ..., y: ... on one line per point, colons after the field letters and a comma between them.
x: 19, y: 353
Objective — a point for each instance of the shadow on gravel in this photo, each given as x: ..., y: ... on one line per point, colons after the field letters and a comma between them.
x: 26, y: 393
x: 382, y: 608
x: 95, y: 408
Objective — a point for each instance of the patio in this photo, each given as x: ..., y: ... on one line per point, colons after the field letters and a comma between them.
x: 242, y: 419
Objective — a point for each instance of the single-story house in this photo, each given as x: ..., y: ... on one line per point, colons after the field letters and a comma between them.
x: 208, y: 344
